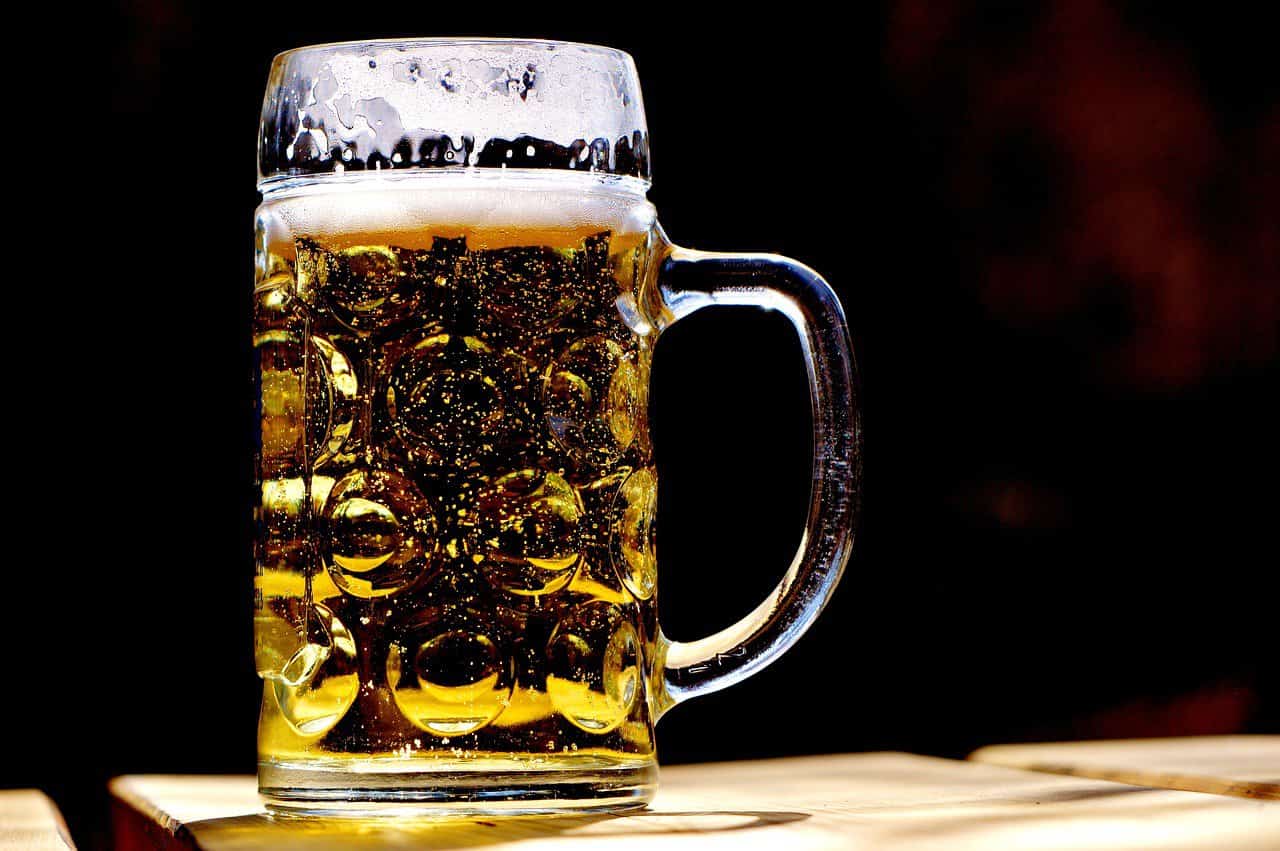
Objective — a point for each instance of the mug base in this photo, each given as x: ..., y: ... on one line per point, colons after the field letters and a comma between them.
x: 347, y: 791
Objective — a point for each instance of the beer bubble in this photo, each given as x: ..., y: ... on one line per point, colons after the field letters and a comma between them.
x: 634, y: 511
x: 593, y: 667
x: 529, y: 289
x: 524, y: 530
x: 381, y: 533
x: 591, y: 397
x: 598, y: 498
x: 318, y: 682
x: 445, y: 399
x: 448, y: 680
x: 368, y: 287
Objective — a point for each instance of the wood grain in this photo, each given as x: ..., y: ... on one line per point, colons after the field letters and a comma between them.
x: 880, y: 801
x: 1244, y: 766
x: 29, y: 821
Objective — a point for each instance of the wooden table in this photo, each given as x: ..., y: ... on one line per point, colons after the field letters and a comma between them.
x: 875, y: 801
x: 1247, y: 766
x: 29, y: 821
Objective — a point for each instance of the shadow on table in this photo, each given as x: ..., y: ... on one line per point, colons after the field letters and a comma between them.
x: 318, y: 833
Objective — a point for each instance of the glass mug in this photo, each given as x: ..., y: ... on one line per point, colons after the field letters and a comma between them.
x: 459, y: 283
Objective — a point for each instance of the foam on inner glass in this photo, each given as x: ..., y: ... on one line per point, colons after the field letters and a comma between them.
x: 370, y: 97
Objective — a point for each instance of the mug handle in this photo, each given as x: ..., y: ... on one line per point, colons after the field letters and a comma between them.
x: 688, y: 281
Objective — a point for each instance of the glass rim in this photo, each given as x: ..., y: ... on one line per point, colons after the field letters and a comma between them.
x: 455, y: 41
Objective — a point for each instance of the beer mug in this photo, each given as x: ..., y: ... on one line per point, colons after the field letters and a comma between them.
x: 459, y: 284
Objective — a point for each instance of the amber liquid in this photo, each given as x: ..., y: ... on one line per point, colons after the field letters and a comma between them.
x: 455, y: 560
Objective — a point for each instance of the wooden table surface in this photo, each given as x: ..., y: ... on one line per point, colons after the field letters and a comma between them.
x: 29, y: 821
x: 1247, y: 766
x: 877, y: 801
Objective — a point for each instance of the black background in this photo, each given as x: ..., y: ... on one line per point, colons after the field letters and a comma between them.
x: 1054, y: 229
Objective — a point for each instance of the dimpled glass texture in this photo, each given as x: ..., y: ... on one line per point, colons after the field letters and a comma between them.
x: 456, y: 564
x: 458, y: 286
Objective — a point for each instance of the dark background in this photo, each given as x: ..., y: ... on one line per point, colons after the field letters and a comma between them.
x: 1056, y: 233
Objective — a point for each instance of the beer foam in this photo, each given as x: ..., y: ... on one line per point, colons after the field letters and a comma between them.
x: 481, y: 201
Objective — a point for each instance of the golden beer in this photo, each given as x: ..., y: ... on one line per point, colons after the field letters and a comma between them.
x: 455, y: 562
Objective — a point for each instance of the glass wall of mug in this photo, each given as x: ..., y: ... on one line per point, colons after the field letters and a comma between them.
x: 459, y: 283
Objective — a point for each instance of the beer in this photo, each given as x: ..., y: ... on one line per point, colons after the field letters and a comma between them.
x: 455, y: 557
